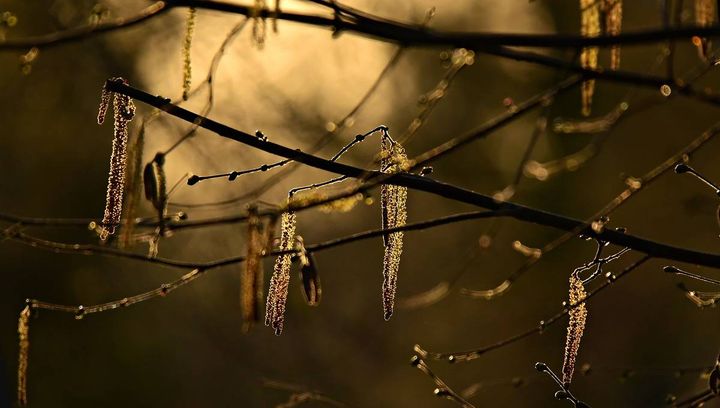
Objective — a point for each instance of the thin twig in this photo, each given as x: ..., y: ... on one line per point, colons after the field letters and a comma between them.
x: 476, y: 353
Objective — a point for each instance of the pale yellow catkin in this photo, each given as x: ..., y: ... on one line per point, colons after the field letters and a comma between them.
x: 124, y: 111
x: 613, y: 26
x: 187, y: 45
x: 589, y: 27
x: 132, y: 189
x: 277, y: 294
x: 393, y: 201
x: 576, y: 327
x: 23, y: 354
x: 251, y: 280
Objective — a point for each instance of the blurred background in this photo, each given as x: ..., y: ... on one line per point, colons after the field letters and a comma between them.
x: 644, y: 339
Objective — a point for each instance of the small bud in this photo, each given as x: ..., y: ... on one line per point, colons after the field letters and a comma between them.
x: 681, y: 168
x: 192, y: 180
x: 80, y: 312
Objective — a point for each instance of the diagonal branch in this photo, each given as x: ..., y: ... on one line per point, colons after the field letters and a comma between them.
x: 420, y: 183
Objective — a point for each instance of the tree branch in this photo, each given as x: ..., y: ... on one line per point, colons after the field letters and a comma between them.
x: 427, y: 185
x: 374, y: 27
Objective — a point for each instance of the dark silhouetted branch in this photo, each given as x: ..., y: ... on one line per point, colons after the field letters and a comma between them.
x: 420, y: 183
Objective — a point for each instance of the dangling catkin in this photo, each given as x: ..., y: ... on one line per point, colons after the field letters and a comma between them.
x: 251, y: 280
x: 613, y: 26
x: 259, y: 26
x: 187, y: 64
x: 124, y: 111
x: 589, y: 27
x: 394, y: 214
x: 277, y: 294
x: 132, y: 188
x: 576, y: 327
x: 23, y: 353
x: 705, y: 14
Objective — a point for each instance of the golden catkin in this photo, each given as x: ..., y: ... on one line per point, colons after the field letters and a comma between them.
x: 132, y: 188
x: 23, y: 354
x: 613, y: 26
x: 393, y: 201
x: 589, y: 27
x: 705, y: 14
x: 277, y: 294
x: 576, y: 327
x: 187, y: 63
x: 124, y: 111
x: 251, y: 281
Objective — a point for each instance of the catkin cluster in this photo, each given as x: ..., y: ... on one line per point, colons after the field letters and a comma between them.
x: 124, y: 111
x: 187, y: 63
x: 24, y: 349
x: 393, y: 201
x: 277, y: 294
x: 576, y: 327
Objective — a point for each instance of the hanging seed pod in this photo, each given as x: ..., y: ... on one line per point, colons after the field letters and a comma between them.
x: 705, y: 15
x: 155, y: 184
x: 613, y: 26
x: 251, y: 281
x: 589, y: 27
x: 23, y: 354
x: 124, y: 111
x: 150, y: 183
x: 394, y: 214
x: 576, y: 327
x: 187, y: 63
x: 277, y: 294
x: 312, y: 290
